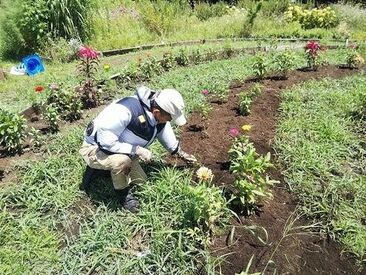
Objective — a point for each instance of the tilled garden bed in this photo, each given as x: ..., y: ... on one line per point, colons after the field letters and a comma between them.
x: 210, y: 141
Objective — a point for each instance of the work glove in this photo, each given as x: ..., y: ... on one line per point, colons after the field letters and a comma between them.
x: 190, y: 159
x: 144, y: 154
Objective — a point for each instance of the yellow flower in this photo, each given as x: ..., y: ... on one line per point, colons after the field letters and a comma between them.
x: 204, y: 173
x: 106, y: 67
x: 246, y: 127
x: 359, y: 59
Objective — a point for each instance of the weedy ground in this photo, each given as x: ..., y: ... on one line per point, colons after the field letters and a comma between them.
x: 47, y: 225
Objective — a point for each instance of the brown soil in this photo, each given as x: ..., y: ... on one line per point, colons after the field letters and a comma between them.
x: 209, y: 140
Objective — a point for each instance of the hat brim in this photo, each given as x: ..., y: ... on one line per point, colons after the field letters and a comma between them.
x: 180, y: 120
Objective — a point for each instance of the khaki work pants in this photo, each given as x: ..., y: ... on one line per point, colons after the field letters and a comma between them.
x: 123, y: 170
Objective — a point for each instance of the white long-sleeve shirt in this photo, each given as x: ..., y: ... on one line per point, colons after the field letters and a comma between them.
x: 127, y: 123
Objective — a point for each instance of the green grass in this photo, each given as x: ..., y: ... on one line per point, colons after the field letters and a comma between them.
x: 45, y: 202
x: 18, y: 92
x: 113, y: 29
x: 353, y: 20
x: 41, y: 210
x: 159, y: 239
x: 320, y: 145
x: 26, y: 238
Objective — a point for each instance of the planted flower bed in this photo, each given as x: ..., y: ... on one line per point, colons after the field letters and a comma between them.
x: 272, y: 216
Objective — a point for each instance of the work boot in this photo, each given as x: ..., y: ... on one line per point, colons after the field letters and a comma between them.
x: 127, y: 200
x: 89, y: 174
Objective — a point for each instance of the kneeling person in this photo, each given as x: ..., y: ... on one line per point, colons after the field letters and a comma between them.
x: 120, y: 135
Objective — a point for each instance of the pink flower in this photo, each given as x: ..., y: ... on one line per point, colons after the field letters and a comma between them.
x: 234, y: 132
x: 205, y: 92
x: 53, y: 86
x: 353, y: 46
x: 87, y: 52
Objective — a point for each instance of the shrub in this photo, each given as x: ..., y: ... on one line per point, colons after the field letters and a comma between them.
x: 148, y: 68
x: 210, y: 55
x: 246, y: 99
x: 36, y: 138
x: 218, y: 92
x: 353, y: 58
x: 167, y: 62
x: 207, y: 207
x: 33, y: 23
x: 204, y: 11
x: 50, y: 114
x: 12, y: 131
x: 127, y: 77
x: 203, y: 108
x: 228, y: 50
x: 60, y: 50
x: 88, y: 66
x: 315, y: 18
x: 181, y: 58
x: 259, y: 65
x: 196, y: 57
x: 312, y: 49
x: 66, y: 103
x: 249, y: 168
x: 284, y: 62
x: 28, y: 24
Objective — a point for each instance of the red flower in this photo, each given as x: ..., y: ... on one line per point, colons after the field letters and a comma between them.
x: 39, y: 89
x: 312, y: 47
x: 87, y: 52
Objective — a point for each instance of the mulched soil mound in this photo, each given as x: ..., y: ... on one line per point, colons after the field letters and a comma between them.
x: 209, y: 141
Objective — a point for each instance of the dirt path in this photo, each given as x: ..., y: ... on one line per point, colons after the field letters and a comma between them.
x: 298, y: 254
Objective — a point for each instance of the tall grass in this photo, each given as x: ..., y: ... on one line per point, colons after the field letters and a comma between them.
x: 123, y: 25
x: 27, y: 26
x: 69, y: 18
x: 118, y: 26
x: 319, y: 143
x: 353, y: 18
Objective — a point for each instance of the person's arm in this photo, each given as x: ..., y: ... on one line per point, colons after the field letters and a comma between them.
x: 168, y: 139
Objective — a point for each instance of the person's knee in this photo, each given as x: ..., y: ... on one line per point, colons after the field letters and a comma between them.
x: 122, y: 164
x: 140, y: 179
